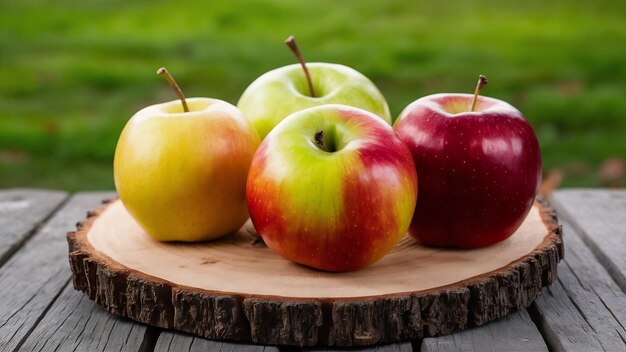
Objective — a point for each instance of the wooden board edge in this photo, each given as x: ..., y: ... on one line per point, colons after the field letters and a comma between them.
x: 277, y: 320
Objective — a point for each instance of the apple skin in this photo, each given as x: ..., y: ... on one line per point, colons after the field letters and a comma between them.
x: 334, y: 211
x: 182, y: 175
x: 479, y: 171
x: 280, y: 92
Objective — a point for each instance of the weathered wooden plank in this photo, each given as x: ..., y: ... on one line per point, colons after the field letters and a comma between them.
x: 585, y: 309
x: 21, y: 211
x: 395, y: 347
x: 74, y: 323
x: 33, y: 277
x: 170, y: 341
x: 515, y: 332
x: 599, y: 216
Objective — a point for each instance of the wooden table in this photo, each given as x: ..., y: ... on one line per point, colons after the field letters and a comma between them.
x: 585, y: 310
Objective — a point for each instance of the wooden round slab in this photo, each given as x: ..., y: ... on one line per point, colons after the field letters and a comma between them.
x: 237, y: 289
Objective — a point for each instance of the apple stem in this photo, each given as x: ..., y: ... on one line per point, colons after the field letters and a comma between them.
x: 326, y: 141
x: 482, y: 81
x: 319, y: 140
x: 168, y: 77
x: 291, y: 43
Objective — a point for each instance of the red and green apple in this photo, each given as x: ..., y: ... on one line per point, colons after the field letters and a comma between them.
x: 332, y: 187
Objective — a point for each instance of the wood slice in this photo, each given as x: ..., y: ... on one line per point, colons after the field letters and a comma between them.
x: 237, y: 289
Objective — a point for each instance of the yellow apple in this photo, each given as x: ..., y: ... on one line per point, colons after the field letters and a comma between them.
x: 182, y: 174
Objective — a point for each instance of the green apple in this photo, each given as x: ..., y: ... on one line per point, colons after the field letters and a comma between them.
x: 285, y: 90
x: 332, y: 187
x: 181, y: 169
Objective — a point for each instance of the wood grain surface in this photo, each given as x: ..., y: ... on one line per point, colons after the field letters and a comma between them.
x: 173, y: 342
x: 599, y: 218
x: 234, y: 289
x: 39, y: 310
x: 585, y: 309
x: 32, y: 279
x: 514, y: 333
x: 21, y: 211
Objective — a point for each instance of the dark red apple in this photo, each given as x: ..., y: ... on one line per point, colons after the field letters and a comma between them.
x: 479, y: 169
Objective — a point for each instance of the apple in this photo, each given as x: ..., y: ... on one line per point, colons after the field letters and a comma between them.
x: 332, y: 187
x: 479, y: 165
x: 181, y: 169
x: 285, y: 90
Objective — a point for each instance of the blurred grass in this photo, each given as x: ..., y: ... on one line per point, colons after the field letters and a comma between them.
x: 73, y: 72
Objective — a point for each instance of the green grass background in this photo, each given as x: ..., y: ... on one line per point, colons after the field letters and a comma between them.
x: 73, y: 72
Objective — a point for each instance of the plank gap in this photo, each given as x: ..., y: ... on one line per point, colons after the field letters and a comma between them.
x: 540, y: 323
x: 41, y: 316
x: 612, y: 313
x: 575, y: 274
x: 416, y: 345
x: 622, y: 337
x: 580, y: 311
x: 150, y: 339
